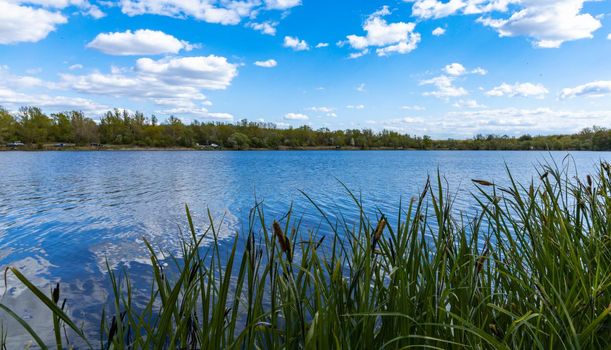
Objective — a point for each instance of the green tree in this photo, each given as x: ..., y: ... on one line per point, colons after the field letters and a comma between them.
x: 85, y: 129
x: 35, y: 125
x: 62, y: 130
x: 8, y: 126
x: 238, y: 140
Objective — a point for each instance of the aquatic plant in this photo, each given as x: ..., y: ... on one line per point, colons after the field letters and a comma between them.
x: 532, y: 270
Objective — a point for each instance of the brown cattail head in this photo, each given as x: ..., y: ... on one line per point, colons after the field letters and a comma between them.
x: 55, y: 294
x: 284, y: 242
x: 377, y: 234
x: 482, y: 259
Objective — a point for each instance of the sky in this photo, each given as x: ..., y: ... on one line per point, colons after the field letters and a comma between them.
x: 444, y: 68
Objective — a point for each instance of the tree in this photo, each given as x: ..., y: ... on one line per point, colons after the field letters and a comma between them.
x: 35, y: 125
x: 62, y: 130
x: 239, y: 141
x: 85, y: 130
x: 427, y: 142
x: 122, y: 127
x: 8, y: 126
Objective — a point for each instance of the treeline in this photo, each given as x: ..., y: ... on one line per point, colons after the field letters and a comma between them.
x: 33, y: 127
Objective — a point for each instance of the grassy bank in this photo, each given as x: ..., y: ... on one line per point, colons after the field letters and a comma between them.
x: 532, y: 270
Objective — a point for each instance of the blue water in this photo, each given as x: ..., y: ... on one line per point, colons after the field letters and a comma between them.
x: 63, y: 214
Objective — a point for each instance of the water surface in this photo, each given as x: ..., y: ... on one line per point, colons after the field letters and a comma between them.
x: 63, y: 214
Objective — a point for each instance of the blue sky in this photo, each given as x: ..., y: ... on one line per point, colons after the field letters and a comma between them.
x: 437, y: 67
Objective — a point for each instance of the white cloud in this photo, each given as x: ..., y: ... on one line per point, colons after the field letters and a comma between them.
x: 355, y: 106
x: 226, y: 12
x: 321, y: 45
x: 76, y: 66
x: 519, y: 89
x: 592, y: 89
x: 267, y: 64
x: 282, y: 4
x: 439, y: 31
x: 295, y: 44
x: 413, y: 108
x: 84, y: 6
x: 435, y: 8
x: 327, y: 111
x: 445, y: 87
x: 520, y: 121
x: 195, y: 113
x: 361, y: 87
x: 140, y: 42
x: 93, y: 11
x: 296, y: 116
x: 445, y: 82
x: 205, y: 72
x: 479, y: 71
x: 267, y: 27
x: 26, y: 24
x: 389, y: 38
x: 468, y: 104
x: 549, y: 23
x: 510, y: 121
x: 22, y: 81
x: 609, y: 36
x: 12, y: 100
x: 174, y: 82
x: 321, y: 109
x: 362, y: 53
x: 455, y: 69
x: 220, y: 115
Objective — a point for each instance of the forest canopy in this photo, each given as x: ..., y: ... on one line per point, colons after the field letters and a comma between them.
x: 119, y: 127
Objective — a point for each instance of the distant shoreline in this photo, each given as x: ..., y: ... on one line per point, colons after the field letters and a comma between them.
x: 107, y: 148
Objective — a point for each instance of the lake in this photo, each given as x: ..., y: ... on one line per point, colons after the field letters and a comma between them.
x: 63, y: 214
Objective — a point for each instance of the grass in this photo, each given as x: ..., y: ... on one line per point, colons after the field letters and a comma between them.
x: 532, y: 270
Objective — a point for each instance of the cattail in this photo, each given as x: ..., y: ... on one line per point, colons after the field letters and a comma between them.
x: 494, y: 329
x: 55, y: 294
x: 377, y: 234
x: 284, y: 242
x: 482, y: 259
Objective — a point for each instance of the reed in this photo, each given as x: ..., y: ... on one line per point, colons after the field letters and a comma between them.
x: 531, y: 270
